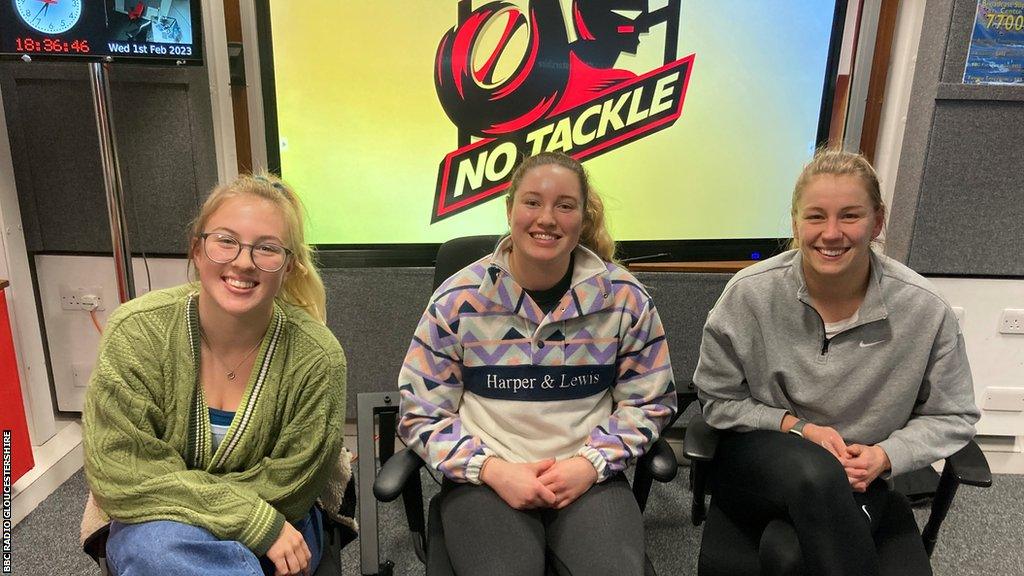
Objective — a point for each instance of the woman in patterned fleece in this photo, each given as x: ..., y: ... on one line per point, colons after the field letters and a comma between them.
x: 213, y: 417
x: 832, y: 366
x: 535, y: 376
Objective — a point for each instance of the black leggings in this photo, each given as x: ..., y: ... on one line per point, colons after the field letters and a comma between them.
x: 765, y: 475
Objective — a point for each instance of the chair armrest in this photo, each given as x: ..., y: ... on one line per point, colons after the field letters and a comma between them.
x: 970, y: 467
x: 395, y: 473
x: 95, y: 545
x: 699, y: 446
x: 701, y: 440
x: 684, y: 397
x: 660, y: 461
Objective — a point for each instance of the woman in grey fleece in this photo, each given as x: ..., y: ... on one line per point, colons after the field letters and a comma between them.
x: 831, y: 367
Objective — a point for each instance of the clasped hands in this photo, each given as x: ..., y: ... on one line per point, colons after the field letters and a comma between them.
x: 862, y: 463
x: 542, y: 484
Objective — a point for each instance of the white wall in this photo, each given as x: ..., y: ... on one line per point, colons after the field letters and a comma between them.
x: 72, y: 339
x: 14, y: 266
x: 997, y: 360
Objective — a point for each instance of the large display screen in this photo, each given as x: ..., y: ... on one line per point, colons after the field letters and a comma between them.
x: 151, y: 30
x: 401, y: 121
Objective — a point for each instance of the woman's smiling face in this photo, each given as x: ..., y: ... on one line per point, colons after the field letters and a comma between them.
x: 834, y: 225
x: 239, y: 287
x: 545, y: 219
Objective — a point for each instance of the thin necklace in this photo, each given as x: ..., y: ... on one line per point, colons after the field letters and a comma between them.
x: 231, y: 373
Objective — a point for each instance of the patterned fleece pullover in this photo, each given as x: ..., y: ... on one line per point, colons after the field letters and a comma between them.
x: 148, y: 449
x: 488, y: 374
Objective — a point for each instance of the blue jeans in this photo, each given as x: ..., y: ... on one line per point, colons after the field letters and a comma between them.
x: 165, y: 547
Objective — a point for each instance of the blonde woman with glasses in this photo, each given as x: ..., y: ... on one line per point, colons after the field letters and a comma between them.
x: 213, y: 417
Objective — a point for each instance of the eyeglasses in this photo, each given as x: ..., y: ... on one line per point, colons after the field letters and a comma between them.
x: 222, y: 248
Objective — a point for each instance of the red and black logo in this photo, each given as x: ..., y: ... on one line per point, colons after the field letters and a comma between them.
x: 561, y: 95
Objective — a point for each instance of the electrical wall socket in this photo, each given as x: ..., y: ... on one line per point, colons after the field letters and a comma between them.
x: 81, y: 298
x: 1003, y: 399
x: 80, y: 373
x: 958, y: 311
x: 1012, y: 321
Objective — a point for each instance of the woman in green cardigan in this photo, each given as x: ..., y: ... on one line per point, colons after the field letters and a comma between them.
x: 214, y: 415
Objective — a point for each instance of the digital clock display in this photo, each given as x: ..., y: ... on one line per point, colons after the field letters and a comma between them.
x: 29, y: 45
x: 168, y: 30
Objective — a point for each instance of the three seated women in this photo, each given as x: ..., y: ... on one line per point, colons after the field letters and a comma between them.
x: 535, y: 377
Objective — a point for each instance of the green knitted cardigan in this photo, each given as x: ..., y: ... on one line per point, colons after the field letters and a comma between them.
x: 148, y: 449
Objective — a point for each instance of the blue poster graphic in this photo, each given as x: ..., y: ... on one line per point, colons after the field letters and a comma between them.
x: 996, y: 53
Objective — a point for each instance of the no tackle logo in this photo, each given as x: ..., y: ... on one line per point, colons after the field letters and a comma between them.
x: 513, y: 80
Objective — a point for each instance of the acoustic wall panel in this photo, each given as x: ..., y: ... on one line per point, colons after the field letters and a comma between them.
x: 958, y: 205
x: 55, y: 150
x: 970, y: 213
x: 165, y: 143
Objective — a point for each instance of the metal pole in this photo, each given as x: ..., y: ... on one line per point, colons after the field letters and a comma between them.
x: 100, y: 83
x: 369, y: 550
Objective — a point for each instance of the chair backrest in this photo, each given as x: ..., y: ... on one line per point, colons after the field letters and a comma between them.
x: 457, y: 253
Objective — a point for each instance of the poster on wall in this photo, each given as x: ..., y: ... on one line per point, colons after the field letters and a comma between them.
x: 996, y: 52
x: 405, y: 123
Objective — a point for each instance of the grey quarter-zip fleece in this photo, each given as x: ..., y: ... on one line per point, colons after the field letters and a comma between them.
x: 898, y: 377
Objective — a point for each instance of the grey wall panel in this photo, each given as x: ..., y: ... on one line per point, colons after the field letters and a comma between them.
x: 165, y: 143
x: 683, y: 302
x: 927, y: 75
x: 54, y: 149
x: 166, y: 173
x: 958, y: 206
x: 970, y: 214
x: 373, y: 312
x: 960, y: 24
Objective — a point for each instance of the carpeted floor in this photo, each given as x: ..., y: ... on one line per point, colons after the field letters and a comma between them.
x: 982, y: 536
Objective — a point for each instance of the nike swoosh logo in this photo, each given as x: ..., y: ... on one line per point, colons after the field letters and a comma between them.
x: 864, y: 344
x: 864, y: 507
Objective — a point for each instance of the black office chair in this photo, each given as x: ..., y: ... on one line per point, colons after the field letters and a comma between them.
x: 399, y: 474
x: 729, y: 549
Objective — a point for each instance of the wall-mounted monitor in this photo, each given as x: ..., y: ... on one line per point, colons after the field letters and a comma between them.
x: 167, y: 31
x: 399, y: 122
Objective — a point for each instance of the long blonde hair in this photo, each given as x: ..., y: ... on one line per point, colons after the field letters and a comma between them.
x: 302, y: 285
x: 837, y: 162
x: 593, y: 234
